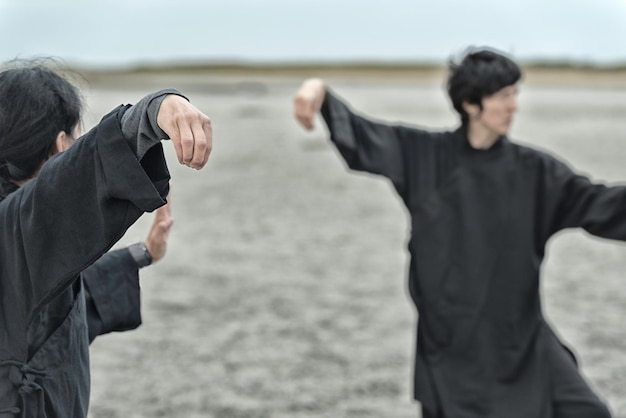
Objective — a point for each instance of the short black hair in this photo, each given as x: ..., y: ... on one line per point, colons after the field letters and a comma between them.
x: 480, y: 73
x: 36, y: 103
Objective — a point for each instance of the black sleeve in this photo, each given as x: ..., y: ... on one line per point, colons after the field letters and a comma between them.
x: 365, y: 144
x: 598, y: 208
x: 82, y: 203
x: 112, y: 294
x: 139, y: 123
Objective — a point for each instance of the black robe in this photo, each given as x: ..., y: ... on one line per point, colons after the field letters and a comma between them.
x: 112, y: 293
x: 480, y: 220
x: 51, y: 230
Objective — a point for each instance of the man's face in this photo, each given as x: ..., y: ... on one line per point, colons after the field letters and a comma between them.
x: 496, y: 116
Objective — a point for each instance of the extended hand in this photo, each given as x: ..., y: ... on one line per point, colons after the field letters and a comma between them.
x: 156, y: 242
x: 188, y: 128
x: 308, y: 101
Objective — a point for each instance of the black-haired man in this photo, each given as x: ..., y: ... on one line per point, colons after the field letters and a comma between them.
x: 482, y: 209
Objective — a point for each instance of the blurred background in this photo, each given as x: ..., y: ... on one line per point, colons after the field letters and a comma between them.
x: 127, y: 33
x: 283, y: 293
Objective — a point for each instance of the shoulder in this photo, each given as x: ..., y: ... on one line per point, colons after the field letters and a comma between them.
x: 412, y: 132
x: 534, y: 157
x: 418, y: 139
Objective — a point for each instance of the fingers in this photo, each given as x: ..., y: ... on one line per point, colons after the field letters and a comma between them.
x: 164, y: 213
x: 163, y: 225
x: 156, y: 241
x: 202, y: 148
x: 304, y: 111
x: 159, y: 232
x: 187, y: 141
x: 194, y: 141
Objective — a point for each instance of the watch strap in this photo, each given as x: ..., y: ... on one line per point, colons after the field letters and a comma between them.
x: 140, y: 254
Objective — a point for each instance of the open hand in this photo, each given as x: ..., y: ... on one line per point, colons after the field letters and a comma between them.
x: 156, y: 242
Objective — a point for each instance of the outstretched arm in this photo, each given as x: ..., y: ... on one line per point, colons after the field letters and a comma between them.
x: 597, y: 208
x: 365, y: 144
x: 118, y: 170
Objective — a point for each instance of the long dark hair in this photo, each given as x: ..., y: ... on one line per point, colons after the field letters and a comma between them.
x: 36, y: 103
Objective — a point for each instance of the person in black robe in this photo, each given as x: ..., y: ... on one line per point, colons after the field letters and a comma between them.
x: 65, y: 202
x: 481, y: 211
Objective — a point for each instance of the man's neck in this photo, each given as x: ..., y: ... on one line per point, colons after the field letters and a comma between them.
x: 479, y: 138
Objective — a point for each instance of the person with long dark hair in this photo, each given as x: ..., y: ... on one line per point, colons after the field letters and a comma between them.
x: 66, y: 200
x: 482, y: 209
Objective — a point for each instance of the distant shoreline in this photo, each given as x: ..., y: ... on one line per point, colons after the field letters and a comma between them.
x: 553, y: 73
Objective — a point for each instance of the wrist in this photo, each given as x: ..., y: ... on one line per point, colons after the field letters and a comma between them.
x: 140, y: 254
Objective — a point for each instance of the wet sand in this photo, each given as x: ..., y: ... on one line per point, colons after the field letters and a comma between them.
x: 284, y: 293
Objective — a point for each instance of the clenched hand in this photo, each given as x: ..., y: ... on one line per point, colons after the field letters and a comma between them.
x: 308, y: 101
x: 189, y: 130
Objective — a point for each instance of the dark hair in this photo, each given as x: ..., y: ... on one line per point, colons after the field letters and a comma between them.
x: 480, y: 73
x: 36, y: 103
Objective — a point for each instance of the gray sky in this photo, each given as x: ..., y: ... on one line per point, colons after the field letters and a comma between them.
x: 126, y: 32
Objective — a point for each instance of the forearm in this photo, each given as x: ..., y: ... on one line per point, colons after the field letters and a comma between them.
x: 113, y: 293
x: 365, y: 144
x: 597, y: 208
x: 604, y: 212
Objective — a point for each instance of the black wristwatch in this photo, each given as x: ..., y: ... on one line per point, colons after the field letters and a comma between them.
x: 140, y: 253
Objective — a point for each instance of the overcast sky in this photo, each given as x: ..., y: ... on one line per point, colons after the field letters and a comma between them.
x: 127, y: 32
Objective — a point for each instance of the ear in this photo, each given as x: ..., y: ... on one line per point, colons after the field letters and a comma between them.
x: 472, y: 109
x: 61, y: 143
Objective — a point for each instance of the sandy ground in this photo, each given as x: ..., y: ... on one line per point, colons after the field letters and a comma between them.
x: 284, y: 291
